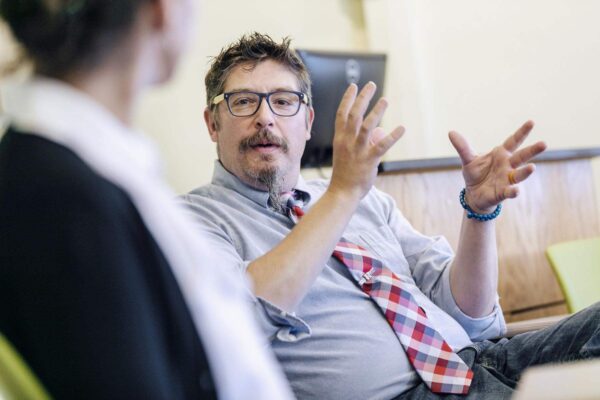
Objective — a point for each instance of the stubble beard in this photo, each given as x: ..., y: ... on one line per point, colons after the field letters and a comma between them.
x: 270, y: 177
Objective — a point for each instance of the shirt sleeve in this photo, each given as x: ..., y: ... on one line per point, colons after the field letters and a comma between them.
x: 430, y: 259
x: 478, y: 329
x: 276, y: 324
x: 279, y: 324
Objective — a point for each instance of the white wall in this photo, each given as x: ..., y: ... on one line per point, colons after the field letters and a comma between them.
x: 173, y: 115
x: 480, y: 67
x: 484, y: 67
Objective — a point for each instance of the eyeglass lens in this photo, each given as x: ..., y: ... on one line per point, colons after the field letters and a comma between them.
x: 281, y: 103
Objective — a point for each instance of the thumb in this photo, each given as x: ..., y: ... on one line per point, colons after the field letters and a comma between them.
x: 464, y: 150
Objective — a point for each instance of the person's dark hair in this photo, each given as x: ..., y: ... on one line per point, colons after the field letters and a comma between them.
x: 62, y: 36
x: 249, y: 50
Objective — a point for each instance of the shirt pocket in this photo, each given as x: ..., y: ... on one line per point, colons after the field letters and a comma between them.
x: 384, y: 245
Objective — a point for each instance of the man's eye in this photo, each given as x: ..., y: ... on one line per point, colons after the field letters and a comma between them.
x: 282, y: 102
x: 243, y: 101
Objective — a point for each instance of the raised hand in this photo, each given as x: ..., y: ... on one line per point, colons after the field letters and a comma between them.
x: 493, y: 177
x: 359, y: 144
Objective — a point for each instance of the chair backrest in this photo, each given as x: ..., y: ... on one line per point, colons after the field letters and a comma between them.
x: 16, y: 379
x: 577, y: 268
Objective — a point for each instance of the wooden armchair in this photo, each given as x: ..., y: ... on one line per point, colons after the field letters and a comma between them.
x: 514, y: 328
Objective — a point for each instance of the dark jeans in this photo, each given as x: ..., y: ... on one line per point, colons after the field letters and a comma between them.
x: 498, y: 366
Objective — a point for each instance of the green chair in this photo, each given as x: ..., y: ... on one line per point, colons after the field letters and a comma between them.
x: 577, y: 268
x: 17, y: 382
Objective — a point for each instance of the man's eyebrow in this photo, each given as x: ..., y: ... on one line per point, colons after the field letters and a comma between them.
x: 285, y: 88
x: 277, y: 89
x: 239, y: 90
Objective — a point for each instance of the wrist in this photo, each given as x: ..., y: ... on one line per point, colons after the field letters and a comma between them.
x: 349, y: 197
x: 472, y: 214
x: 473, y: 205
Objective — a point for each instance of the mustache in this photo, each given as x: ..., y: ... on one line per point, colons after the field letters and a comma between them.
x: 263, y: 135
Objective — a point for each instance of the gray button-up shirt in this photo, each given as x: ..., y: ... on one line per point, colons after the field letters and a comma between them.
x: 337, y: 344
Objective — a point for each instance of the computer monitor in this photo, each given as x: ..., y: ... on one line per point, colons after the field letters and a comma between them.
x: 331, y: 73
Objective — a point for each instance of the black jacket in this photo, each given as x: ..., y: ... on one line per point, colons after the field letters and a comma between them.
x: 86, y: 295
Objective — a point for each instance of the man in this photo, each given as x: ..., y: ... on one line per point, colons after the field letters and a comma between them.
x: 321, y: 256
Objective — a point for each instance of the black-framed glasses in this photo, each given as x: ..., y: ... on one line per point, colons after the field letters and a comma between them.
x: 285, y: 103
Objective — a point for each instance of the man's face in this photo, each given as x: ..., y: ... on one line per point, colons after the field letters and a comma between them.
x: 263, y: 144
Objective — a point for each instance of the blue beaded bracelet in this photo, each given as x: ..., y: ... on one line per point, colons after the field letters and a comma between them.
x: 472, y: 214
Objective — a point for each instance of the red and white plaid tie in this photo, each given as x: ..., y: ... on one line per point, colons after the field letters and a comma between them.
x: 442, y: 370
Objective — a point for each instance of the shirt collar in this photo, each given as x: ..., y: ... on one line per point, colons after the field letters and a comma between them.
x: 65, y: 114
x: 222, y: 177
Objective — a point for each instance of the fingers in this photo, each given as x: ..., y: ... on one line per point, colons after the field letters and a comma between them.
x: 349, y: 120
x: 526, y: 154
x: 355, y: 116
x: 464, y: 150
x: 349, y: 116
x: 376, y: 135
x: 372, y: 120
x: 513, y: 142
x: 510, y: 192
x: 344, y: 107
x: 519, y: 175
x: 388, y: 141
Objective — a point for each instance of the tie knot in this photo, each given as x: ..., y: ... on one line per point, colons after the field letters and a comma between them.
x: 291, y: 199
x: 293, y: 202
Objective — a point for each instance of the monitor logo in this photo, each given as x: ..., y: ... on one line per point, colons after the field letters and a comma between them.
x: 352, y: 71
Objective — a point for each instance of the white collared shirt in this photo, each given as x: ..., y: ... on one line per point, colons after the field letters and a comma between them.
x: 239, y: 358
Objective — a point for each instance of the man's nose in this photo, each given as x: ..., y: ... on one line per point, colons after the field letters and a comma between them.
x: 264, y: 116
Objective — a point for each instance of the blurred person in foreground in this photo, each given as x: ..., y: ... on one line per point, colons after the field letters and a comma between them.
x: 356, y: 303
x: 105, y: 289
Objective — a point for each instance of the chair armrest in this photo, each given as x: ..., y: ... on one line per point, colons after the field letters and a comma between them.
x: 514, y: 328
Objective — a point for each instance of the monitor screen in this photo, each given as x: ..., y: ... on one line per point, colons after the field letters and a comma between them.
x: 331, y: 73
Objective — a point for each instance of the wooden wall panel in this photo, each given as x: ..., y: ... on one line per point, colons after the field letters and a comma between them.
x: 556, y: 204
x: 547, y: 311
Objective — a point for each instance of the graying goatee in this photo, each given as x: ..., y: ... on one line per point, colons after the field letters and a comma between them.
x: 269, y: 178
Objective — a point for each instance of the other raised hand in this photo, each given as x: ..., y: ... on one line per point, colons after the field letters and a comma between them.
x: 493, y: 177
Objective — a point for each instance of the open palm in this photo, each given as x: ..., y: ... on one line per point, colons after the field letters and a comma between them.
x: 493, y: 177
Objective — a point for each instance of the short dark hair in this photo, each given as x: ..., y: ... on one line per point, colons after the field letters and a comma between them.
x: 250, y: 50
x: 62, y: 36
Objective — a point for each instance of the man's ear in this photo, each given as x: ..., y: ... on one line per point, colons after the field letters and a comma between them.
x: 211, y: 124
x: 310, y: 117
